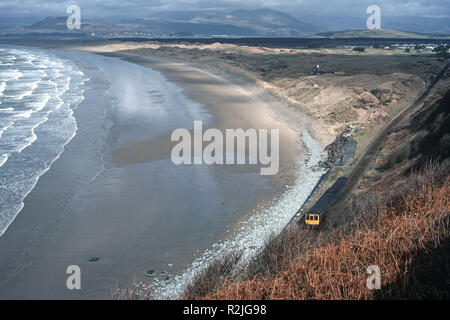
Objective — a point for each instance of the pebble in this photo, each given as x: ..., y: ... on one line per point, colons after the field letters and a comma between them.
x: 150, y: 273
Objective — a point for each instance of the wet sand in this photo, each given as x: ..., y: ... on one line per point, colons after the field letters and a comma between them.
x: 114, y: 193
x: 233, y: 106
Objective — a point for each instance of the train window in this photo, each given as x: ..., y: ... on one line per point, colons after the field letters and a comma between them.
x: 316, y: 218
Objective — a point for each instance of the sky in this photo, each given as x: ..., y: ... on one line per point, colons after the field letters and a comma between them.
x: 138, y: 8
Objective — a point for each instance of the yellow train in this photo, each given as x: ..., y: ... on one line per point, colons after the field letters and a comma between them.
x: 316, y: 214
x: 312, y: 219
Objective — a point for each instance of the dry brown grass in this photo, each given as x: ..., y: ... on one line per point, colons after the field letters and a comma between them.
x: 405, y: 232
x: 214, y: 276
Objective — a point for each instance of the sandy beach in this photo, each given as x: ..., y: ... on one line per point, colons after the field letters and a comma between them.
x: 233, y: 105
x: 114, y: 194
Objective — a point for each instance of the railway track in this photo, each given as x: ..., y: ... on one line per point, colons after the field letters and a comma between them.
x: 376, y: 144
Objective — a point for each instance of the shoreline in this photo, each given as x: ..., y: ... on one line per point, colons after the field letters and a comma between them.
x: 141, y: 228
x: 96, y: 224
x: 249, y: 220
x: 44, y: 125
x: 251, y: 237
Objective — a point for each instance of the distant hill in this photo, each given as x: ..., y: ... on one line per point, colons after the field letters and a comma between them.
x: 49, y: 23
x: 59, y: 23
x: 260, y: 22
x: 57, y: 26
x: 383, y: 33
x: 425, y: 25
x: 206, y: 23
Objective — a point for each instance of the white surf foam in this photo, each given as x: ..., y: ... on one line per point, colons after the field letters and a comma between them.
x: 3, y: 159
x: 2, y: 88
x: 37, y: 91
x: 11, y: 75
x: 28, y: 90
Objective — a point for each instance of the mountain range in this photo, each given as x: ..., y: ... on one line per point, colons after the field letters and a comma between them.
x: 210, y: 23
x: 260, y: 22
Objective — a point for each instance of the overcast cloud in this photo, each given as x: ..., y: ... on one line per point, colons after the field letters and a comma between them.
x: 134, y: 8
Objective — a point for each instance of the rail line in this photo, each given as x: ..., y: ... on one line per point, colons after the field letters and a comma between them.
x: 376, y: 143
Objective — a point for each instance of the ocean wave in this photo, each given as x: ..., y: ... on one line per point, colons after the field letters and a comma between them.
x: 3, y: 159
x: 6, y: 127
x: 26, y: 88
x: 2, y: 88
x: 38, y: 96
x: 30, y: 59
x: 9, y: 75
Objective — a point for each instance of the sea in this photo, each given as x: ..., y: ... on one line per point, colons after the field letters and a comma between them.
x: 38, y: 93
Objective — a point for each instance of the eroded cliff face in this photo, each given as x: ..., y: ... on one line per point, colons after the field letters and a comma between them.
x: 338, y: 101
x: 426, y: 136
